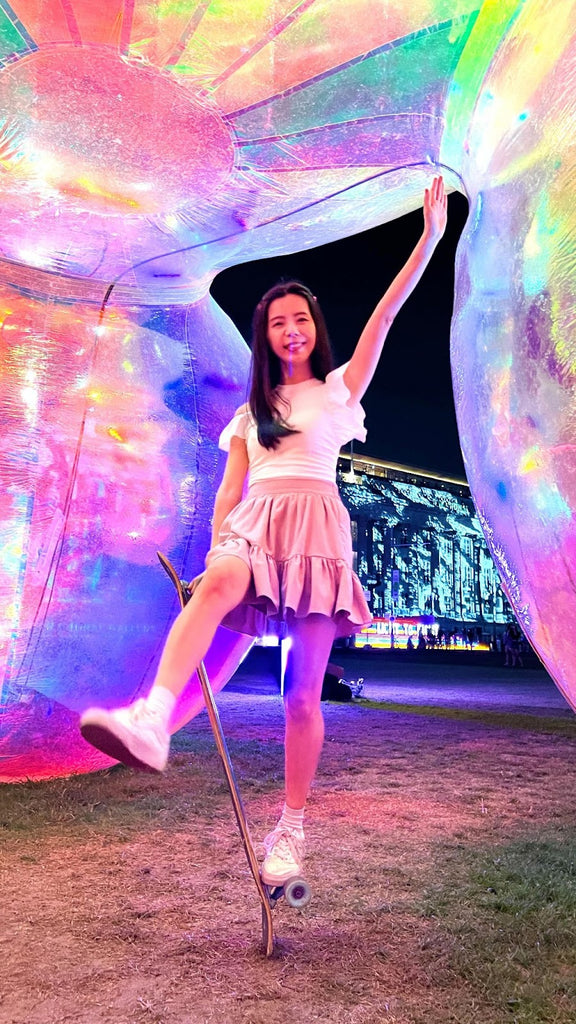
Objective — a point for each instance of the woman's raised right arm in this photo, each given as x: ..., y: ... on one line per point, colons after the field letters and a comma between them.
x: 230, y: 491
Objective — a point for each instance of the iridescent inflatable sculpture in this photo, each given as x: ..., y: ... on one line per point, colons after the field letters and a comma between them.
x: 147, y: 145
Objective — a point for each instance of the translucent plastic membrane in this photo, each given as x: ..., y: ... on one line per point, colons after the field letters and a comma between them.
x: 147, y: 145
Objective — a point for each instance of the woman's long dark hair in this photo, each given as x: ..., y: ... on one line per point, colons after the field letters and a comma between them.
x: 266, y: 373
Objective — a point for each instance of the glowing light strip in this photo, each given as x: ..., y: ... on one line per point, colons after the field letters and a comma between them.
x: 188, y: 32
x: 266, y: 223
x: 317, y: 148
x: 126, y: 30
x: 71, y: 22
x: 273, y: 33
x: 356, y: 122
x: 393, y: 44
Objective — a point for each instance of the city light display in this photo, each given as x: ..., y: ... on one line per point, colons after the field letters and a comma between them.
x: 419, y: 551
x: 144, y: 146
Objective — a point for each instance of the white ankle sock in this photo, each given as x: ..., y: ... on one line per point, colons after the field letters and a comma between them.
x: 161, y: 701
x: 293, y: 819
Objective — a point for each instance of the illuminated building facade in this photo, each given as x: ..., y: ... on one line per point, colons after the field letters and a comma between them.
x: 418, y: 547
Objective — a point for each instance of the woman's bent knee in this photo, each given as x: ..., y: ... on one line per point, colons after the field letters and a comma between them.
x: 225, y: 582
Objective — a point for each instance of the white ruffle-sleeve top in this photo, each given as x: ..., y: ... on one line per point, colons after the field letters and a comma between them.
x: 326, y: 417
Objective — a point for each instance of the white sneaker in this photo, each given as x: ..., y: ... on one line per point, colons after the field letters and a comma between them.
x: 285, y: 852
x: 133, y: 735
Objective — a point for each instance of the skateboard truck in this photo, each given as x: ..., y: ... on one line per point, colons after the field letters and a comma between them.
x: 295, y: 890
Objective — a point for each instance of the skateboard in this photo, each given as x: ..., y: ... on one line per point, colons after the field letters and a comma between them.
x: 296, y: 890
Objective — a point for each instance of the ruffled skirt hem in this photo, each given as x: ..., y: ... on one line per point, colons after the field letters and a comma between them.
x: 305, y: 585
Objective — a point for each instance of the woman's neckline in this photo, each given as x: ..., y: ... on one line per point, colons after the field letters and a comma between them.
x: 309, y: 382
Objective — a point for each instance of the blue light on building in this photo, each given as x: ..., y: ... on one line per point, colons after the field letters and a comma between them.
x: 419, y: 549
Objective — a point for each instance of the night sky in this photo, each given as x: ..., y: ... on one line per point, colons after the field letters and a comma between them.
x: 409, y: 406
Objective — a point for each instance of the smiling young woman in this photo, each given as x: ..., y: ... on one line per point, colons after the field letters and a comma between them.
x: 281, y: 554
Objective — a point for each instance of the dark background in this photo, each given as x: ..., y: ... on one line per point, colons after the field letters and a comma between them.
x: 409, y: 406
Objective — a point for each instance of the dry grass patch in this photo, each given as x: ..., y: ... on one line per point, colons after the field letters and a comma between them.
x: 127, y: 897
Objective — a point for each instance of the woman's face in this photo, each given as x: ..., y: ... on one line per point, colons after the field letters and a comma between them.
x: 292, y: 335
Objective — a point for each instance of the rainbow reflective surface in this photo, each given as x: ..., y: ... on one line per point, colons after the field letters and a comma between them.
x: 147, y: 145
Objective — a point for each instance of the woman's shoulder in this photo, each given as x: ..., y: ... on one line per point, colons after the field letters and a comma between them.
x: 335, y: 383
x: 236, y: 428
x: 338, y: 371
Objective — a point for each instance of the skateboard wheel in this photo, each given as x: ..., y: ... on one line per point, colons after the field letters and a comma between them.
x: 297, y: 893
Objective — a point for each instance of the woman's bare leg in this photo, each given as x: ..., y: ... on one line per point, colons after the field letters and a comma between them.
x: 312, y: 640
x: 221, y: 588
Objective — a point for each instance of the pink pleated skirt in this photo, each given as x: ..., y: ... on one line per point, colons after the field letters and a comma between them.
x: 294, y: 536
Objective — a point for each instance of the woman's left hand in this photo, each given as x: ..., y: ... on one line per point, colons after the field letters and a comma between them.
x: 362, y: 365
x: 435, y: 209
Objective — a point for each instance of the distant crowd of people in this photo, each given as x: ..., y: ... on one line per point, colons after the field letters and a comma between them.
x: 445, y: 640
x: 511, y: 643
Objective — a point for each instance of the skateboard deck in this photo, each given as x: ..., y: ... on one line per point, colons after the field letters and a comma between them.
x: 295, y: 890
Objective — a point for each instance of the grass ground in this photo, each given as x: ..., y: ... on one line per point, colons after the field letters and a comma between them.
x: 442, y: 861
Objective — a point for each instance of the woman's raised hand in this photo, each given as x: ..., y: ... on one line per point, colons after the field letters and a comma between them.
x: 362, y: 365
x: 435, y: 209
